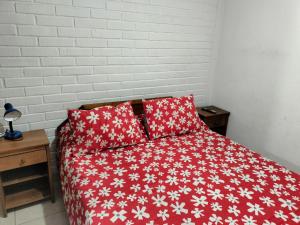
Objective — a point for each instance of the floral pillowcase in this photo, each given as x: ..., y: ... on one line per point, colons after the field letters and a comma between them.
x: 105, y: 127
x: 171, y: 116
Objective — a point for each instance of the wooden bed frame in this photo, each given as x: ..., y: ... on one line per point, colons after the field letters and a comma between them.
x: 136, y: 104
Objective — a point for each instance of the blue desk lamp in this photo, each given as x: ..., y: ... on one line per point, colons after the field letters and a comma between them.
x: 11, y: 114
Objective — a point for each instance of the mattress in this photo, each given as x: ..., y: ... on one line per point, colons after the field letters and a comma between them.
x: 199, y: 178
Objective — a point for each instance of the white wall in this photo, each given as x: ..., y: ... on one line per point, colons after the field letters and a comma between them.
x: 258, y: 76
x: 59, y: 54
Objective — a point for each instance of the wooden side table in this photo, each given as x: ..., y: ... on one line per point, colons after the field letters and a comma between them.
x: 215, y: 121
x: 25, y: 171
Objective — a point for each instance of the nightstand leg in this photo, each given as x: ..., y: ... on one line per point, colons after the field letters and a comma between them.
x: 51, y: 185
x: 3, y: 212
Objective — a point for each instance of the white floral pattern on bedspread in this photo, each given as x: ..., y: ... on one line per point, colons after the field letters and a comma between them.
x: 200, y: 178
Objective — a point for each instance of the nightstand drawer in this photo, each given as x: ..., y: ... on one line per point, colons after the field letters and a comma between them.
x: 21, y: 160
x: 213, y: 122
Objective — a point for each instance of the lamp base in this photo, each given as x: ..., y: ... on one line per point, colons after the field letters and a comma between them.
x: 13, y: 136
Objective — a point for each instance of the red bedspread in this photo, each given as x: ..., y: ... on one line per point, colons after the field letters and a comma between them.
x: 201, y: 178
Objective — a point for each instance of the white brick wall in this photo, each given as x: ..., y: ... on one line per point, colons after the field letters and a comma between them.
x: 59, y: 54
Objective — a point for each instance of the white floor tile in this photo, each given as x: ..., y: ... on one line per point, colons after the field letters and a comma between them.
x: 55, y: 219
x: 9, y: 220
x: 43, y: 209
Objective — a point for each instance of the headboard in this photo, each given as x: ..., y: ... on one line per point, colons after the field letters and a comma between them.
x: 137, y: 106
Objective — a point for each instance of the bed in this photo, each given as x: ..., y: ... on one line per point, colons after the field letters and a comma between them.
x: 196, y: 178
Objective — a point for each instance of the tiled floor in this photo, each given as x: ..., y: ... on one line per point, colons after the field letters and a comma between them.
x: 44, y: 213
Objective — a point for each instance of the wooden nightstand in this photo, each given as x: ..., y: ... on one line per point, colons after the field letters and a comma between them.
x: 216, y: 122
x: 25, y: 171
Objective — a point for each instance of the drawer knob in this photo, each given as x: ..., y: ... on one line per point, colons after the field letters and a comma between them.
x: 22, y: 162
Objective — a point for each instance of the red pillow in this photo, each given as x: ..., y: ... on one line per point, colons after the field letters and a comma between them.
x: 171, y: 116
x: 105, y: 127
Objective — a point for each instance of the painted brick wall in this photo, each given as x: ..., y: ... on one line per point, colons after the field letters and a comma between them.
x: 59, y: 54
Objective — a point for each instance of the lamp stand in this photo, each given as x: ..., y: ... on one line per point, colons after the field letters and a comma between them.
x: 12, y: 134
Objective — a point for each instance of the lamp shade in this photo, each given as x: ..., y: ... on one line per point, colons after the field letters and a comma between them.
x: 11, y: 114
